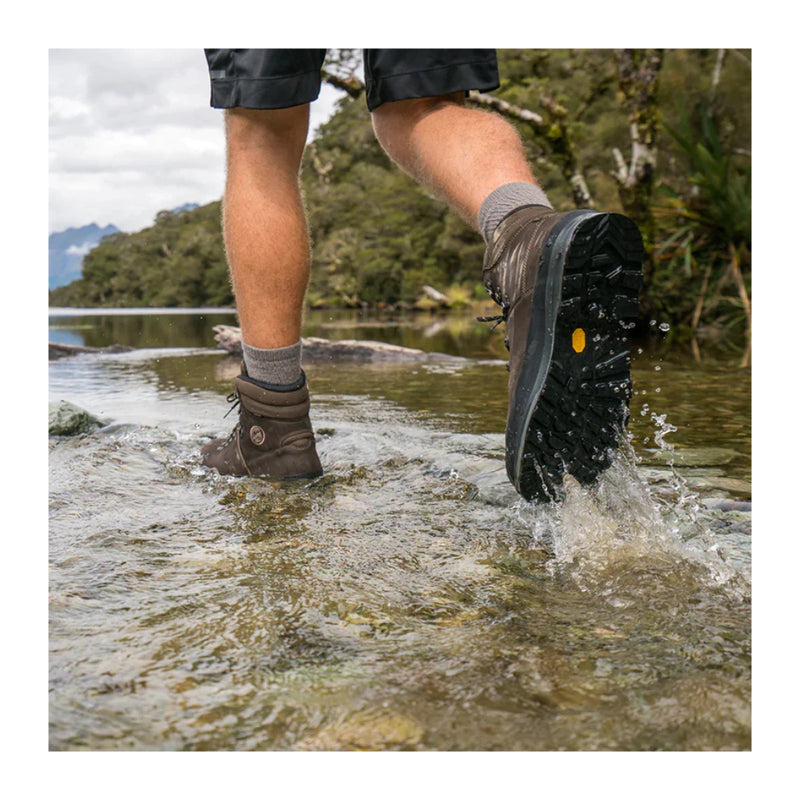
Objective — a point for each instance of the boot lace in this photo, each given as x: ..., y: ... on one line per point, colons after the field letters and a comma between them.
x: 236, y: 401
x: 234, y: 398
x: 497, y: 318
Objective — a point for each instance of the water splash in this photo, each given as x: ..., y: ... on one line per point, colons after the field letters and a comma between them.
x: 662, y: 429
x: 628, y: 540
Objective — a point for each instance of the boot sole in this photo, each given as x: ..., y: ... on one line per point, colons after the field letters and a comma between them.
x: 571, y: 402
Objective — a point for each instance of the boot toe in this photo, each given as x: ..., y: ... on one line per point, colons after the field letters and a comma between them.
x: 209, y: 448
x: 216, y: 456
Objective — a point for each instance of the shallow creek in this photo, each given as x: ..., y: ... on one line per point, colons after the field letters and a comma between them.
x: 408, y: 599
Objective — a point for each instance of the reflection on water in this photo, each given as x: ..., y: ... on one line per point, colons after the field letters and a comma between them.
x: 132, y: 328
x: 456, y: 335
x: 408, y: 599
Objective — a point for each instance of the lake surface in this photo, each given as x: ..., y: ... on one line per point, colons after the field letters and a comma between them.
x: 408, y: 599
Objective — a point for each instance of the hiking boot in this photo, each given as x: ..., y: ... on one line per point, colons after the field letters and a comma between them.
x: 568, y: 287
x: 273, y: 438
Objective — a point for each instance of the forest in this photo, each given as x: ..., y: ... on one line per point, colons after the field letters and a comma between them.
x: 660, y: 135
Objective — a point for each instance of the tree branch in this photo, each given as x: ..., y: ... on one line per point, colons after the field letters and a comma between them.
x: 351, y: 84
x: 507, y: 109
x: 717, y: 73
x: 637, y: 75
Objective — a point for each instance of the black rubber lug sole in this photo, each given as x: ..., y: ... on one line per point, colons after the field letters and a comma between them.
x: 582, y: 408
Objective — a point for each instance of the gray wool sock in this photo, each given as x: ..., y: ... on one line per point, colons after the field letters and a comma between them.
x: 503, y: 200
x: 279, y: 366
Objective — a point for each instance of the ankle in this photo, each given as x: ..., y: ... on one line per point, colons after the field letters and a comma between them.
x: 505, y: 199
x: 276, y: 366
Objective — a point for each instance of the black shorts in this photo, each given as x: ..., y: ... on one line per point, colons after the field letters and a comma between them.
x: 284, y: 78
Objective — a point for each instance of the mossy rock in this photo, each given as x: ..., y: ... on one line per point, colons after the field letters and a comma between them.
x: 66, y: 419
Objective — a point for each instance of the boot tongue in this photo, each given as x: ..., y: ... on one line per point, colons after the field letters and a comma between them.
x: 505, y: 266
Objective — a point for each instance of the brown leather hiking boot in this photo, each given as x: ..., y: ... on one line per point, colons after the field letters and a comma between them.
x: 568, y: 287
x: 273, y: 438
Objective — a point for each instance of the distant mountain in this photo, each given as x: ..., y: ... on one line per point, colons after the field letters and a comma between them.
x: 185, y: 207
x: 67, y: 249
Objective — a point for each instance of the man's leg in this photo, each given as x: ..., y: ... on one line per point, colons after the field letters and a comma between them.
x: 266, y: 94
x: 266, y: 242
x: 461, y: 154
x: 266, y: 238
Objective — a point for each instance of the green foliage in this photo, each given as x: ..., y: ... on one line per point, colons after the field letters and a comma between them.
x: 720, y: 206
x: 702, y: 264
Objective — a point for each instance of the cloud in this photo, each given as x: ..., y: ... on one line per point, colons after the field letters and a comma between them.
x: 131, y: 132
x: 80, y: 250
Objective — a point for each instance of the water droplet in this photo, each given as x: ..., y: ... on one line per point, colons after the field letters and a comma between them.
x: 664, y: 326
x: 658, y: 388
x: 657, y: 368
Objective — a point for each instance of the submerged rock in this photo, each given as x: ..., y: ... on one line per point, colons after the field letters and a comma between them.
x: 726, y: 505
x: 691, y: 457
x: 57, y: 350
x: 736, y: 486
x: 67, y: 419
x: 373, y: 729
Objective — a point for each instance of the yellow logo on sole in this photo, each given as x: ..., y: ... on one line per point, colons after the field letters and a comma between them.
x: 578, y: 340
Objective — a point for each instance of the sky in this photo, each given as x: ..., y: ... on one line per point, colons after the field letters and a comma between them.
x: 131, y: 132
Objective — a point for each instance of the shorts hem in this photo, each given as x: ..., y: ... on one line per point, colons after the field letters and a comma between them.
x: 463, y: 77
x: 285, y: 91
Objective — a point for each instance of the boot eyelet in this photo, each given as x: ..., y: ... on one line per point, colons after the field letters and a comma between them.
x: 257, y: 435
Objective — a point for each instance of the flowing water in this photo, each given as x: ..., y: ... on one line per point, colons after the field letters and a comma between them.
x: 408, y: 599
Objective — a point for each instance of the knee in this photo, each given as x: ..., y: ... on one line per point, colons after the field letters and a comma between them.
x: 281, y: 131
x: 394, y: 122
